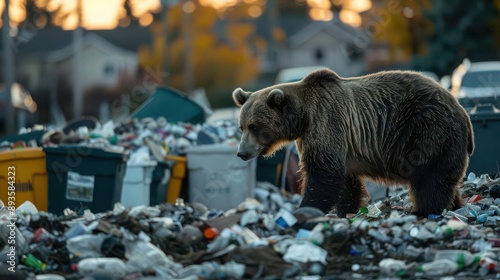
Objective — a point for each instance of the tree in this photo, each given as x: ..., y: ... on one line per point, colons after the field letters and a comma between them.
x: 223, y: 53
x: 461, y: 29
x: 399, y: 27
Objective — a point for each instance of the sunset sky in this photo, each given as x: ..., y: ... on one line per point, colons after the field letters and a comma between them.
x: 108, y: 14
x: 96, y: 14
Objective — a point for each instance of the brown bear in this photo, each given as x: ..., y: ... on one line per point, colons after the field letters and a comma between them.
x: 394, y: 126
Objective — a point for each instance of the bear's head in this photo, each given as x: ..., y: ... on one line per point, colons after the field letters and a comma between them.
x: 269, y: 119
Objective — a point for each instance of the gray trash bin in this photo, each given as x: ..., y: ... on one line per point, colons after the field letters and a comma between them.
x: 218, y: 178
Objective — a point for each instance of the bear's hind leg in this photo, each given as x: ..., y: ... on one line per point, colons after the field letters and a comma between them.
x: 458, y: 201
x: 353, y: 196
x: 434, y: 189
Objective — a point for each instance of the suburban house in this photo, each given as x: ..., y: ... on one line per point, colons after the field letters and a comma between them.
x: 332, y: 44
x: 109, y: 66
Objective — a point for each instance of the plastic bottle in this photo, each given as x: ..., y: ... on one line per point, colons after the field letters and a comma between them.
x: 249, y: 217
x: 461, y: 257
x: 392, y: 267
x: 316, y: 236
x: 86, y: 246
x: 232, y: 270
x: 32, y: 261
x: 489, y: 264
x: 41, y: 235
x: 113, y: 266
x: 439, y: 267
x: 144, y: 255
x: 77, y: 229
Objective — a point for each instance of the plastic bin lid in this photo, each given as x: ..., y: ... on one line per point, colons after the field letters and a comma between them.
x: 27, y: 153
x: 212, y: 149
x: 86, y: 151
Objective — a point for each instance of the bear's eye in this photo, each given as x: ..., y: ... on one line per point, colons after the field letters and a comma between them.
x: 252, y: 127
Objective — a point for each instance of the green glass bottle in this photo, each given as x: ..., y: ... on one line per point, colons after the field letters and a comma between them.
x: 32, y: 261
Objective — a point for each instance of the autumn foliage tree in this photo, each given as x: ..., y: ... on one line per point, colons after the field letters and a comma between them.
x: 223, y: 52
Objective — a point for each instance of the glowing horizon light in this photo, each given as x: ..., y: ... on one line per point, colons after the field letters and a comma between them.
x: 357, y: 5
x: 122, y: 12
x: 189, y: 7
x: 71, y: 22
x: 321, y: 14
x: 146, y: 20
x: 319, y: 4
x: 41, y: 20
x: 52, y: 6
x: 17, y: 11
x: 142, y: 7
x: 98, y: 14
x: 408, y: 12
x: 218, y: 4
x: 350, y: 17
x: 255, y: 11
x: 124, y: 22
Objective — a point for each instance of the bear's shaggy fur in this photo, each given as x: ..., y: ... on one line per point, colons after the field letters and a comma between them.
x: 395, y: 126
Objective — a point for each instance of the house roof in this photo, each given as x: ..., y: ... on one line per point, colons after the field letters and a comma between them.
x: 299, y: 29
x: 89, y: 39
x: 290, y: 24
x: 49, y: 39
x: 336, y: 29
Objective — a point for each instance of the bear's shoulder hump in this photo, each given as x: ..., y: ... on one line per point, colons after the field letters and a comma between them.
x: 321, y: 75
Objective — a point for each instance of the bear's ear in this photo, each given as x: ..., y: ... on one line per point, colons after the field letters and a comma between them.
x: 276, y: 98
x: 240, y: 96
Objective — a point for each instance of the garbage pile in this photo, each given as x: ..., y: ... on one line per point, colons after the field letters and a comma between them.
x: 265, y: 237
x: 151, y: 138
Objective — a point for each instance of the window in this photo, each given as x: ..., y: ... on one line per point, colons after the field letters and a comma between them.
x: 109, y: 69
x: 318, y: 54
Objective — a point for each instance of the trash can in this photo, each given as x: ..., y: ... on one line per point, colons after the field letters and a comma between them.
x: 136, y: 184
x: 82, y: 177
x: 28, y: 174
x: 218, y: 178
x: 35, y: 135
x: 269, y: 169
x: 176, y: 178
x: 159, y: 180
x: 486, y: 156
x: 172, y: 104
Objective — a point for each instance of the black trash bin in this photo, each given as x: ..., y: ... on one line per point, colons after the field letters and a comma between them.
x: 486, y: 156
x: 83, y: 177
x: 158, y: 187
x: 269, y: 169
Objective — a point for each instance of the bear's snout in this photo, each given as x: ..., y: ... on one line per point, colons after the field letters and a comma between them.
x: 247, y: 152
x: 244, y: 155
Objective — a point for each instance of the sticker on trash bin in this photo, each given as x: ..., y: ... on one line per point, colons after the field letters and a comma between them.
x: 80, y: 187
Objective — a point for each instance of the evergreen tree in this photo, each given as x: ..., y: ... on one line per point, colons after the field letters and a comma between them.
x: 462, y: 29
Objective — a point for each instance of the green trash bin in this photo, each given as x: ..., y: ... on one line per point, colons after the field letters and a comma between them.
x: 26, y: 137
x: 83, y: 177
x: 486, y: 156
x: 269, y: 169
x: 173, y: 105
